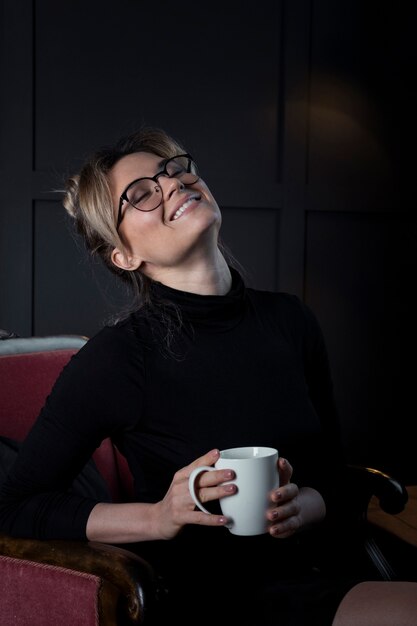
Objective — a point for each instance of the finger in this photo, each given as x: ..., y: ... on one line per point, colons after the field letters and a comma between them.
x: 289, y: 509
x: 284, y: 493
x: 285, y: 471
x: 285, y: 520
x: 206, y: 519
x: 216, y: 492
x: 285, y: 528
x: 207, y: 459
x: 214, y: 478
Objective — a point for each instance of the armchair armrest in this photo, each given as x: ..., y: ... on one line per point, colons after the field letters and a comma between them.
x: 368, y: 481
x: 131, y: 588
x: 387, y: 553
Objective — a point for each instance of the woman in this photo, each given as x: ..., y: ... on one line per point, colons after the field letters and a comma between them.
x: 201, y: 363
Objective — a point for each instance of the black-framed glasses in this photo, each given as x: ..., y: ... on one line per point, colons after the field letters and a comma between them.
x: 145, y: 194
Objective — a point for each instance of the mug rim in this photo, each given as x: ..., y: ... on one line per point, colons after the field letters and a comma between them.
x: 233, y: 454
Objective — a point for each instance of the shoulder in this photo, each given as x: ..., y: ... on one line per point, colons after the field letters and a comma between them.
x: 287, y: 314
x: 109, y: 366
x: 119, y: 338
x: 114, y: 347
x: 285, y: 306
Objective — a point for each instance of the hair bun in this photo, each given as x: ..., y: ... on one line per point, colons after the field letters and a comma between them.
x: 71, y: 197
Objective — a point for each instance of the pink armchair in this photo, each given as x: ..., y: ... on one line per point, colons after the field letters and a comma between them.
x: 46, y: 583
x: 64, y: 582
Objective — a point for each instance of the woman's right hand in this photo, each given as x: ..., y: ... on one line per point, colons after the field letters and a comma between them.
x: 178, y: 508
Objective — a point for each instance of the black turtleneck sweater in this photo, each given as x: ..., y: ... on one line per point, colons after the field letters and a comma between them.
x: 242, y: 369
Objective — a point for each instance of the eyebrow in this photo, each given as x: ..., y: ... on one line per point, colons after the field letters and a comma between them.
x: 160, y: 165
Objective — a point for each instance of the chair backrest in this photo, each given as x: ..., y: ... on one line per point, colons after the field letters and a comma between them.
x: 29, y: 367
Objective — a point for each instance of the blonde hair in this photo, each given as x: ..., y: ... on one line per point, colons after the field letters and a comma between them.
x: 88, y: 198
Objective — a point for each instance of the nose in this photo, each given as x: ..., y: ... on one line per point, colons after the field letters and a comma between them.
x: 169, y: 186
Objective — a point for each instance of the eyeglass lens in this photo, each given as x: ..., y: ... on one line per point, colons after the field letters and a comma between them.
x: 145, y: 194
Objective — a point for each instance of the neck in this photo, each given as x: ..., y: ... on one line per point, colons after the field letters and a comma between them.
x: 205, y: 276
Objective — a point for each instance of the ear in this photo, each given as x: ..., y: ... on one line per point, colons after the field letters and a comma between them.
x: 125, y: 261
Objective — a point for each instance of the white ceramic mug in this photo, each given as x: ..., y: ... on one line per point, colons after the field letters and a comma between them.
x: 256, y: 471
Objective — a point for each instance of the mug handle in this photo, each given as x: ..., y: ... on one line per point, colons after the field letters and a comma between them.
x: 191, y: 484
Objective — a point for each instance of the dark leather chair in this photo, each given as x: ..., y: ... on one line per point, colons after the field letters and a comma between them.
x: 84, y: 583
x: 51, y: 582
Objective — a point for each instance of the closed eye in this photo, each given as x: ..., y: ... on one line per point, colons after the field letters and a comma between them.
x: 137, y: 198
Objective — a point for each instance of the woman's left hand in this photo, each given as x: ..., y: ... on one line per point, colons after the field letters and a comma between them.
x: 292, y: 508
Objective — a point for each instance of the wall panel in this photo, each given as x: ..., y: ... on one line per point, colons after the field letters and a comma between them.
x: 16, y: 151
x: 301, y: 116
x: 361, y: 299
x: 207, y: 74
x: 72, y: 292
x: 246, y: 232
x: 207, y: 77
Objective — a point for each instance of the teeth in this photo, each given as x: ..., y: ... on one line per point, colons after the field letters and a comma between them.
x: 182, y: 208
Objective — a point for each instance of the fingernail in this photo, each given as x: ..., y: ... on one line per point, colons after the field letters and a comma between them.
x: 277, y: 495
x: 229, y: 474
x: 222, y: 520
x: 230, y: 488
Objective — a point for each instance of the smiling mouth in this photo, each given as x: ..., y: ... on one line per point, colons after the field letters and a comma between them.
x: 185, y: 206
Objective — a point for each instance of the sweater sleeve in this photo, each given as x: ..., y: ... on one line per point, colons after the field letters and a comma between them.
x: 97, y: 395
x: 332, y: 457
x: 320, y: 383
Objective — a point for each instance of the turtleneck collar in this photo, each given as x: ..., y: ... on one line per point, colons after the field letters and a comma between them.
x: 216, y: 313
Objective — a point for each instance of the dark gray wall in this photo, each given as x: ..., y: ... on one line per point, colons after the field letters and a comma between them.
x: 301, y: 115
